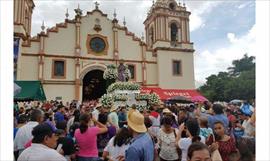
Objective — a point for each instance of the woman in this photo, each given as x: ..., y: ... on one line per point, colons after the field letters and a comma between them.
x: 198, y: 152
x: 192, y: 130
x: 73, y: 119
x: 226, y: 144
x: 117, y: 145
x: 166, y: 140
x: 86, y: 138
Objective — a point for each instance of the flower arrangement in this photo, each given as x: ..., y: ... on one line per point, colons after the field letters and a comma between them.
x: 120, y: 97
x: 142, y: 97
x: 107, y: 100
x: 123, y: 86
x: 153, y: 99
x: 110, y: 72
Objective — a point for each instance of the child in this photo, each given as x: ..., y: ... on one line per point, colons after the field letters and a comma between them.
x: 204, y: 129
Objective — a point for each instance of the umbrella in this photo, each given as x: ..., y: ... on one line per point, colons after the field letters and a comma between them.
x: 17, y: 89
x: 235, y: 101
x: 179, y: 99
x: 198, y: 99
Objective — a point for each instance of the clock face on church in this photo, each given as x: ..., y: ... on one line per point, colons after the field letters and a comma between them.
x: 97, y: 44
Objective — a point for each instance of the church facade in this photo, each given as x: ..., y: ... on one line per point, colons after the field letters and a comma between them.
x: 69, y: 58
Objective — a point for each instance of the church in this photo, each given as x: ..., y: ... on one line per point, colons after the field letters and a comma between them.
x: 71, y: 57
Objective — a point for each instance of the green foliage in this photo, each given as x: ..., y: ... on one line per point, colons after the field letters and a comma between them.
x: 123, y: 86
x: 237, y: 83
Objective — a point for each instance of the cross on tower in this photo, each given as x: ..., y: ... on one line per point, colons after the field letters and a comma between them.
x: 97, y: 4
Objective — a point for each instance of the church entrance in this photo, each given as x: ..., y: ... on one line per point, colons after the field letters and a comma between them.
x: 94, y: 86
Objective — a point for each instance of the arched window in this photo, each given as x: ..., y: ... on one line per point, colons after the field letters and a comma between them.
x: 174, y: 32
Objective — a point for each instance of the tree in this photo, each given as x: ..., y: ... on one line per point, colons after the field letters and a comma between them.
x: 237, y: 83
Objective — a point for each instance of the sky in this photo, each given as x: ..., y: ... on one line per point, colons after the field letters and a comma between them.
x: 221, y: 31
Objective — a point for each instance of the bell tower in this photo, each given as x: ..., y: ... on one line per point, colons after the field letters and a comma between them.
x: 167, y: 25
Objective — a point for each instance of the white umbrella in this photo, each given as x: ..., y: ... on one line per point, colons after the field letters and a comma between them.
x: 17, y: 89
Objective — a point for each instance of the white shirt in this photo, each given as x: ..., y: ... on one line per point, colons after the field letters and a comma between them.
x: 95, y: 114
x: 40, y: 152
x: 23, y: 135
x: 184, y: 144
x: 70, y: 123
x: 168, y: 149
x: 249, y: 128
x: 115, y: 151
x: 114, y: 119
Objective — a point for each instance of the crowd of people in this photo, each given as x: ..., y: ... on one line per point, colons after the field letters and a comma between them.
x: 54, y: 131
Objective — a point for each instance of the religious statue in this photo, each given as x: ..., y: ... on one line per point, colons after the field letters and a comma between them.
x: 121, y: 72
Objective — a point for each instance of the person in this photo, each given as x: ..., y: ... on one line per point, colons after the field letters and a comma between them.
x: 226, y: 144
x: 103, y: 139
x: 248, y: 125
x: 59, y: 115
x: 73, y: 119
x: 113, y: 117
x: 117, y: 145
x: 166, y: 140
x: 155, y: 119
x: 205, y: 131
x: 96, y: 111
x: 122, y: 116
x: 198, y: 151
x: 42, y: 147
x: 67, y: 143
x: 142, y: 146
x: 22, y: 120
x: 182, y: 116
x: 192, y: 130
x: 121, y: 72
x: 218, y: 115
x: 86, y: 138
x: 24, y: 133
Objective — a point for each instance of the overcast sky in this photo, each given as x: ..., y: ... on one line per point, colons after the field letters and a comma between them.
x: 221, y: 30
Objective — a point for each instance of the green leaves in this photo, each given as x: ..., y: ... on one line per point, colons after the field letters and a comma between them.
x: 237, y: 83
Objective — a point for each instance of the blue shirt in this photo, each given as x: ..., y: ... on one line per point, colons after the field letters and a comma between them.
x: 220, y: 117
x: 58, y: 117
x: 140, y: 149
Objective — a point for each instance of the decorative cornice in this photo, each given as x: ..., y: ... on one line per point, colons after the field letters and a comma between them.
x: 88, y: 58
x: 173, y: 49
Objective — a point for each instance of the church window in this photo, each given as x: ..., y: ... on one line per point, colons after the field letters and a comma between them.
x: 132, y: 70
x: 59, y: 68
x: 174, y: 32
x: 177, y: 68
x: 172, y: 6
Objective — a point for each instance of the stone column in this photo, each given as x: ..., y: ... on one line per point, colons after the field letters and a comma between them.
x: 77, y: 60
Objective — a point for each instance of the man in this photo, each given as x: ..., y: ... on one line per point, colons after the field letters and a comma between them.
x: 113, y: 117
x: 96, y: 111
x: 59, y: 115
x: 142, y: 146
x: 24, y: 133
x: 67, y: 143
x: 122, y: 116
x: 218, y: 115
x: 43, y: 142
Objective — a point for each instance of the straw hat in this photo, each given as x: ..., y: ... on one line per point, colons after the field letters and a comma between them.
x: 114, y: 108
x: 135, y: 121
x: 166, y: 110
